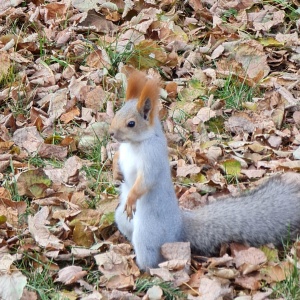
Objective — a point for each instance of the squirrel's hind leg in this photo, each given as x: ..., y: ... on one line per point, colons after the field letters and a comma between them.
x: 147, y: 248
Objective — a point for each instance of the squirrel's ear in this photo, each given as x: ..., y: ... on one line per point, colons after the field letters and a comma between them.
x: 148, y: 101
x: 135, y: 84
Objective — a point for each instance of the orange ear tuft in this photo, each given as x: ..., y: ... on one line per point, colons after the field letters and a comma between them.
x: 135, y: 85
x: 148, y: 101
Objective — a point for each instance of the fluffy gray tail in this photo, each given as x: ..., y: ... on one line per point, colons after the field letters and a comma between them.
x: 268, y: 214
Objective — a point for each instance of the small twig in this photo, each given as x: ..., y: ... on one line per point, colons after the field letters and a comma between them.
x: 17, y: 237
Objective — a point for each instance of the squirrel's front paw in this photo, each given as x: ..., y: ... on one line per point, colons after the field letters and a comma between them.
x: 130, y: 207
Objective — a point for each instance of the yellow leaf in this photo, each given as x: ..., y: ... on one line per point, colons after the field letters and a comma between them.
x: 270, y: 42
x: 232, y: 167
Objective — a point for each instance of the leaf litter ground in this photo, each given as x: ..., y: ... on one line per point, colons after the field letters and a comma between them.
x: 230, y: 110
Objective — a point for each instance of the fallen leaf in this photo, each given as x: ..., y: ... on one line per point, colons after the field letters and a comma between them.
x: 70, y: 115
x: 248, y: 282
x: 39, y: 231
x: 70, y: 274
x: 52, y: 151
x: 28, y: 138
x: 253, y: 173
x: 83, y: 235
x: 203, y: 115
x: 155, y: 293
x: 29, y: 295
x: 12, y: 285
x: 213, y: 289
x: 232, y: 167
x: 5, y: 64
x: 33, y: 183
x: 251, y: 256
x: 183, y: 170
x: 12, y: 281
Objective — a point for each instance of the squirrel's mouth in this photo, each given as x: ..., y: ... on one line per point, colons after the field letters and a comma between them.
x: 116, y: 139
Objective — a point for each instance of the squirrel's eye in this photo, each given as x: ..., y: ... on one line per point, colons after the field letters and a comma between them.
x: 131, y: 124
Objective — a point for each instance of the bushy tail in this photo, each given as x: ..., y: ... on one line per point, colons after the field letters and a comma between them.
x: 268, y: 214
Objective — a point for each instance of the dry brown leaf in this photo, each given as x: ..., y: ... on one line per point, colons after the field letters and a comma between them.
x: 95, y: 99
x: 177, y: 251
x: 253, y: 173
x: 52, y: 151
x: 294, y: 165
x: 70, y: 171
x: 225, y: 273
x: 55, y: 10
x: 28, y: 138
x: 12, y: 281
x: 70, y: 115
x: 277, y: 272
x: 82, y: 252
x: 98, y: 59
x: 12, y: 285
x: 39, y: 231
x: 239, y: 124
x: 219, y: 261
x: 262, y: 295
x: 82, y: 234
x: 12, y: 210
x: 213, y: 289
x: 288, y: 39
x: 275, y: 141
x: 265, y: 19
x: 296, y: 117
x: 98, y: 23
x: 164, y: 273
x: 70, y: 274
x: 120, y: 282
x: 155, y: 293
x: 251, y: 256
x: 184, y: 170
x: 4, y: 193
x: 203, y: 115
x: 112, y: 264
x: 33, y: 183
x: 248, y: 282
x: 5, y: 64
x: 29, y: 295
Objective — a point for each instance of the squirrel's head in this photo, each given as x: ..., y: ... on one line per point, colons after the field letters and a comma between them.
x: 134, y: 122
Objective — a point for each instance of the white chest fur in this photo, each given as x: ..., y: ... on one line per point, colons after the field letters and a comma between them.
x: 128, y: 161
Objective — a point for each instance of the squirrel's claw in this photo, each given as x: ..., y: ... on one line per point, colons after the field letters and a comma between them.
x: 130, y: 210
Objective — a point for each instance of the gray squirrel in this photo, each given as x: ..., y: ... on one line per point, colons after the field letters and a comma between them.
x: 149, y: 214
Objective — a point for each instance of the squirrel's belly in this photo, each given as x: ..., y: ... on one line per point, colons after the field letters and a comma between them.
x: 128, y: 163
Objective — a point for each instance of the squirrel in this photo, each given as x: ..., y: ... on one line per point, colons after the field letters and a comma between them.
x: 149, y: 214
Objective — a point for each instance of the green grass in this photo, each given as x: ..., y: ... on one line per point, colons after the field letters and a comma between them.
x: 292, y: 12
x: 10, y: 183
x: 39, y: 162
x: 289, y: 289
x: 93, y: 277
x: 117, y: 57
x: 39, y: 279
x: 7, y: 79
x: 169, y: 291
x: 235, y: 93
x: 98, y: 173
x: 228, y: 14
